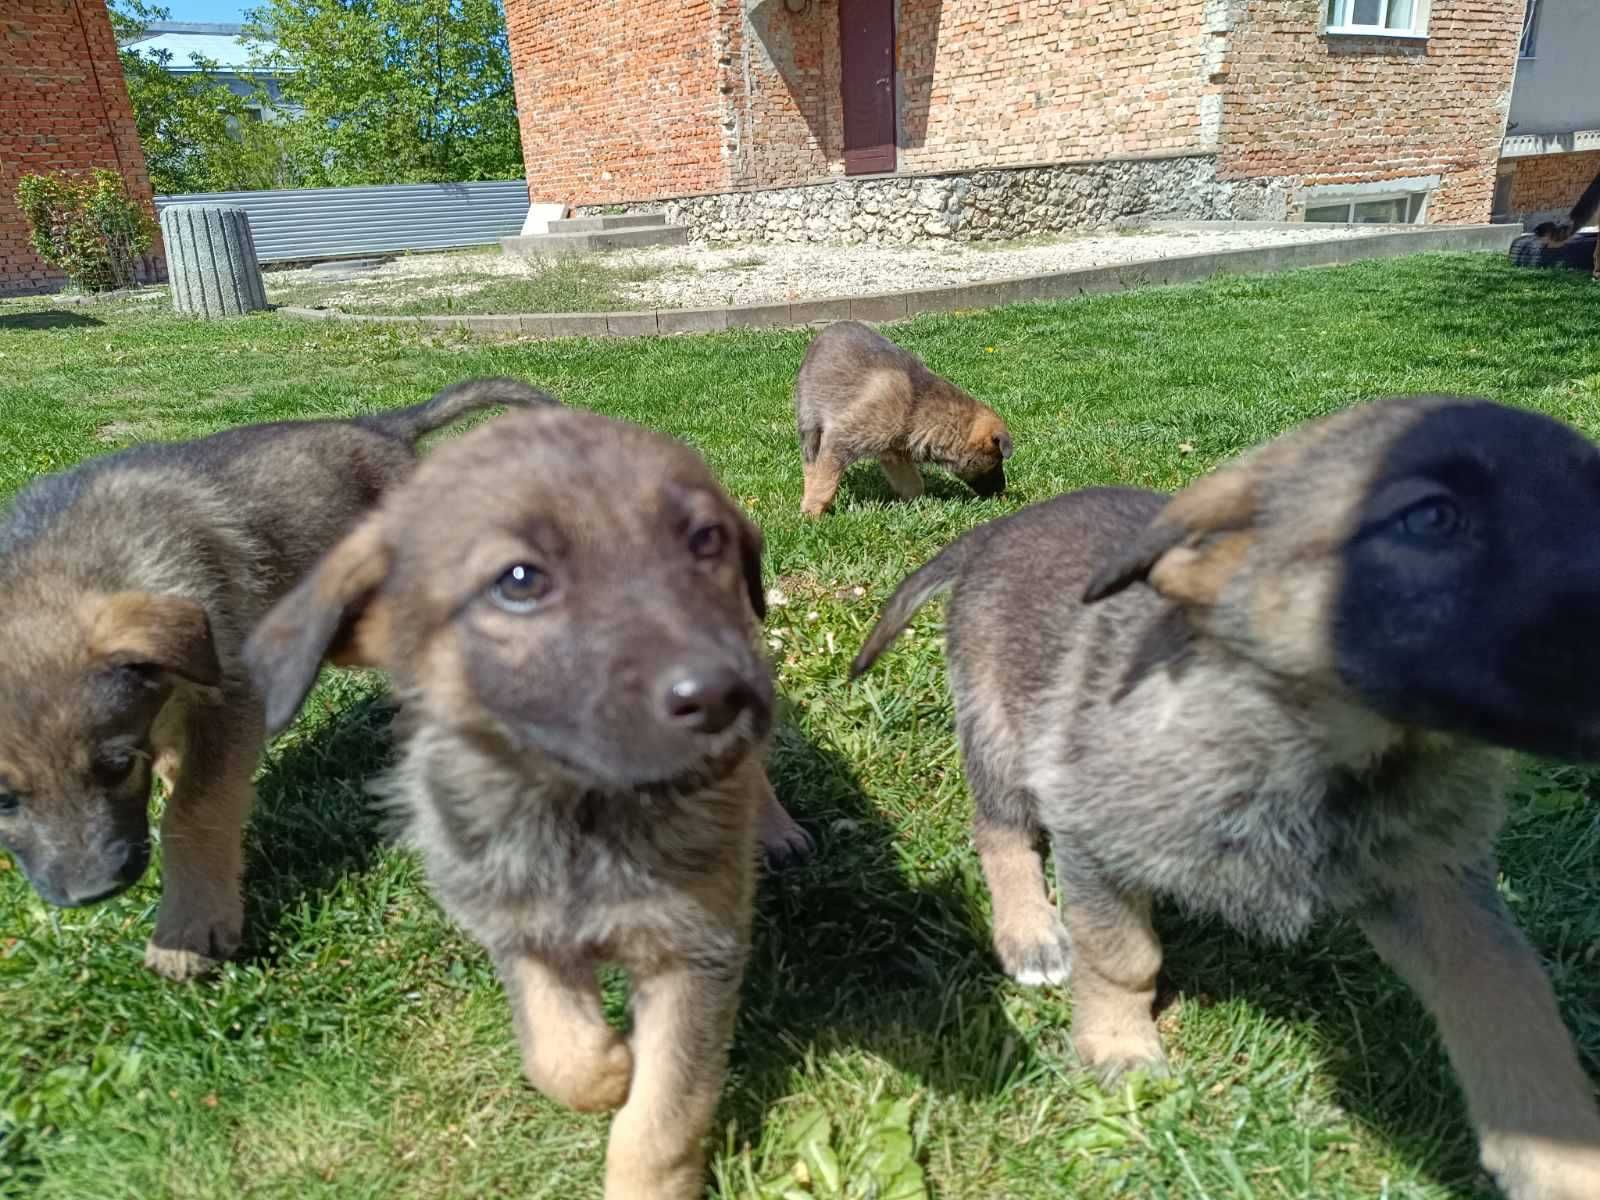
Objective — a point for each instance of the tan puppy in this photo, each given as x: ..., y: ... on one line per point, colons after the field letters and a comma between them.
x: 127, y: 586
x: 858, y: 395
x: 568, y: 606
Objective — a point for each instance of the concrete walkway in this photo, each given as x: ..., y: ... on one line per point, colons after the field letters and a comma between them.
x: 898, y: 305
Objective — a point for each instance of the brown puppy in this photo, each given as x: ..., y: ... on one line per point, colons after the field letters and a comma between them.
x: 568, y: 606
x: 858, y: 395
x: 1278, y: 696
x: 127, y: 586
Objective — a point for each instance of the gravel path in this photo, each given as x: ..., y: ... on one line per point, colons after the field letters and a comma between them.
x: 704, y: 277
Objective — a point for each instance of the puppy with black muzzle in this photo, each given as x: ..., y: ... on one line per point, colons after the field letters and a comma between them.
x: 569, y: 608
x: 1297, y: 714
x: 858, y: 395
x: 127, y: 587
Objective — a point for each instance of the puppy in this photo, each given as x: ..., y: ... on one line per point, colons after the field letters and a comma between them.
x: 1295, y: 715
x: 127, y: 587
x: 1553, y: 234
x: 858, y: 395
x: 568, y: 606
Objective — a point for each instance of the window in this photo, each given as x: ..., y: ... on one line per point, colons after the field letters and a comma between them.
x: 1530, y: 29
x: 1402, y: 208
x: 1383, y: 18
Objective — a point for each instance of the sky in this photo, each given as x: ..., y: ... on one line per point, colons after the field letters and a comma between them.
x: 208, y: 10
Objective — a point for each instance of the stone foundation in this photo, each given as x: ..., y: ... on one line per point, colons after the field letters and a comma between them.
x: 974, y: 206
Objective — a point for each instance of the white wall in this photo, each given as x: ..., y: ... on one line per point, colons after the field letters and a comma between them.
x: 1555, y: 90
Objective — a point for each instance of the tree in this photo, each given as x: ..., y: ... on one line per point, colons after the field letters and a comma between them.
x: 396, y: 91
x: 198, y: 135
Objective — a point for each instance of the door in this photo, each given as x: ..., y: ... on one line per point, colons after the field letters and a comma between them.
x: 866, y: 65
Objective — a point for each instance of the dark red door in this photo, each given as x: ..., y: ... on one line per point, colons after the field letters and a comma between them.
x: 866, y: 58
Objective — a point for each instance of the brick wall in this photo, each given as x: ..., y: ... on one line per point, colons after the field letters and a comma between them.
x: 756, y: 98
x: 1314, y: 109
x: 63, y: 106
x: 1551, y: 183
x: 1003, y: 82
x: 619, y: 100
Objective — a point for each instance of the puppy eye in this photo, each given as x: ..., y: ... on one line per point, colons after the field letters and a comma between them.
x: 520, y: 588
x: 113, y: 767
x: 1432, y: 520
x: 9, y: 804
x: 708, y: 541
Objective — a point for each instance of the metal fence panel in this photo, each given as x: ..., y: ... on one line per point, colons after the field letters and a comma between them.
x: 309, y: 223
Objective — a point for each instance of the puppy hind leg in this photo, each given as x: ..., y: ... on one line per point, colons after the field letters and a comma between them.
x: 822, y: 478
x: 1114, y: 987
x: 569, y: 1052
x: 1031, y: 943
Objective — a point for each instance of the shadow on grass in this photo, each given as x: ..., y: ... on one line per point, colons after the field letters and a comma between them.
x: 849, y: 955
x: 48, y: 319
x: 865, y: 483
x: 314, y: 822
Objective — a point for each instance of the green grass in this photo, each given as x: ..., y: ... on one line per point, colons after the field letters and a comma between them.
x: 361, y: 1048
x: 577, y: 283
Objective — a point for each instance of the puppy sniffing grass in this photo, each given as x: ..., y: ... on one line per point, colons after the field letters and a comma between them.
x: 858, y: 395
x: 127, y: 587
x: 1296, y: 714
x: 569, y: 608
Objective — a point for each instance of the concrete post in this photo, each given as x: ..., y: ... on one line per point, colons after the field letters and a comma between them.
x: 211, y: 260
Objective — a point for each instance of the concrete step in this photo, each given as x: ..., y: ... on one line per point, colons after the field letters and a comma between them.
x: 592, y: 224
x: 625, y: 238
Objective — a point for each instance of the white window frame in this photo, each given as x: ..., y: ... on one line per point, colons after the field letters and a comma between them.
x: 1337, y: 16
x: 1350, y: 202
x: 1527, y: 48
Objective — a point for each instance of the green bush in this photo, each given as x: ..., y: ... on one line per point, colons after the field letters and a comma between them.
x: 88, y: 227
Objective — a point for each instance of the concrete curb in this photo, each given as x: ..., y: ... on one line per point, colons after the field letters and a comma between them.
x: 897, y: 306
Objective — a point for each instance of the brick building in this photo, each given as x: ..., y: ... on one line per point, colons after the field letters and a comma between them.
x: 1552, y: 145
x: 837, y: 118
x: 63, y: 106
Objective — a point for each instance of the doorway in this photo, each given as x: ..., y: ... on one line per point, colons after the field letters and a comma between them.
x: 866, y: 68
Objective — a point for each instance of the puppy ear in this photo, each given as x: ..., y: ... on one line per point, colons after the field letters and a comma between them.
x: 146, y: 631
x: 1192, y: 548
x: 1002, y: 443
x: 322, y: 618
x: 750, y: 547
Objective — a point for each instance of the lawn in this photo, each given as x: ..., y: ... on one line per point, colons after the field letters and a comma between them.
x: 360, y: 1046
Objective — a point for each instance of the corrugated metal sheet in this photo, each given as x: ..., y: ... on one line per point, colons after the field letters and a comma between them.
x: 307, y: 223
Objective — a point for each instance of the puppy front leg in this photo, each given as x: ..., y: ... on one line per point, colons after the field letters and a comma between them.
x: 683, y: 1020
x: 569, y: 1052
x: 1117, y: 957
x: 201, y: 918
x: 1455, y: 945
x: 782, y: 839
x: 902, y: 475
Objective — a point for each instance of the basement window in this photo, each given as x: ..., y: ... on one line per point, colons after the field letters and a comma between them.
x: 1402, y: 208
x: 1378, y: 18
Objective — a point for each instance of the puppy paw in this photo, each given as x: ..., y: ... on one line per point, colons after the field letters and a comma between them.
x: 1042, y: 960
x: 1532, y: 1168
x: 783, y: 842
x: 179, y: 965
x: 188, y: 943
x: 1111, y: 1054
x: 595, y: 1079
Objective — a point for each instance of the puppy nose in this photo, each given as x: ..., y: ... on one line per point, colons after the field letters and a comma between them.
x: 706, y: 699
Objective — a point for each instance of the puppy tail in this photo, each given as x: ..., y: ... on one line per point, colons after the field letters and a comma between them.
x: 915, y: 590
x: 454, y: 402
x: 1576, y: 219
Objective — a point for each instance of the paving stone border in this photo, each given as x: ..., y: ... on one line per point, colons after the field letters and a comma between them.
x: 896, y: 306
